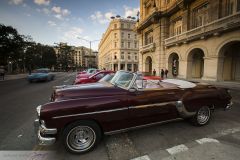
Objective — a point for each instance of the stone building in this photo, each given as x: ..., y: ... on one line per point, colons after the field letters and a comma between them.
x: 118, y: 49
x: 193, y: 39
x: 84, y: 57
x: 79, y: 57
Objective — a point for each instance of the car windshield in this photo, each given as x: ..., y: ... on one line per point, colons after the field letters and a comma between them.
x: 91, y: 71
x: 107, y: 78
x: 40, y: 71
x: 122, y: 79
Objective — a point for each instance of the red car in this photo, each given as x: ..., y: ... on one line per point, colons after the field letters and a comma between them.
x: 91, y: 78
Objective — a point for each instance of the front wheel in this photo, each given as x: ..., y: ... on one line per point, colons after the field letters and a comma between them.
x: 202, y: 116
x: 81, y: 136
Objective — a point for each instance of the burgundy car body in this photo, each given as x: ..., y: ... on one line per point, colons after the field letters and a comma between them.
x: 91, y: 78
x: 116, y: 109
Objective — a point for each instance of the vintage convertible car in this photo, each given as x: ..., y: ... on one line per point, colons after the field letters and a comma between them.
x: 80, y: 116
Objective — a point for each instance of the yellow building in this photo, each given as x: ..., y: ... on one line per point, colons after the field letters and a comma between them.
x: 118, y: 49
x: 194, y: 39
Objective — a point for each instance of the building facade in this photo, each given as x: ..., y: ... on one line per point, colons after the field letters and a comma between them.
x: 193, y: 39
x: 84, y: 57
x: 78, y: 57
x: 118, y: 49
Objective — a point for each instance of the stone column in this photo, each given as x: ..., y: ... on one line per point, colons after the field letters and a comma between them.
x: 125, y: 67
x: 132, y: 67
x: 210, y: 68
x: 119, y: 65
x: 182, y: 72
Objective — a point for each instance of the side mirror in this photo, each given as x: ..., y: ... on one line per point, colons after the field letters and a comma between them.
x: 132, y: 90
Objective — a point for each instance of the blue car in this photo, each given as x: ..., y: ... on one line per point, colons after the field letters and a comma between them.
x: 42, y: 74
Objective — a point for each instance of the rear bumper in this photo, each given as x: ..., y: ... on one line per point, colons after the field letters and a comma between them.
x: 45, y: 136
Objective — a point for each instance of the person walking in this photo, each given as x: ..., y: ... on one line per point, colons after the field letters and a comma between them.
x: 154, y: 72
x: 162, y: 73
x: 2, y: 73
x: 166, y: 73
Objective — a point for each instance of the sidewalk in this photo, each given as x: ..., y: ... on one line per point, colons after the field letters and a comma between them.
x: 14, y: 76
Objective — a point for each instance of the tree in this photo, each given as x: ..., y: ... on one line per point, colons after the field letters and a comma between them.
x: 11, y: 44
x: 65, y: 59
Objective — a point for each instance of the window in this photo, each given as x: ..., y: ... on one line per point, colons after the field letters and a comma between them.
x: 149, y: 37
x: 122, y: 55
x: 129, y: 44
x: 122, y: 44
x: 129, y: 35
x: 128, y: 25
x: 135, y: 36
x: 115, y: 26
x: 115, y: 44
x: 129, y: 56
x: 176, y: 27
x: 122, y: 25
x: 115, y: 35
x: 135, y: 44
x: 200, y: 16
x: 122, y: 34
x: 135, y: 56
x: 115, y: 56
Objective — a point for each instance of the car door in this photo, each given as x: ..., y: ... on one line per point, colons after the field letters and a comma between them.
x: 151, y: 106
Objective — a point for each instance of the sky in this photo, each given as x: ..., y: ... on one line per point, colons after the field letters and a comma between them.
x: 53, y: 21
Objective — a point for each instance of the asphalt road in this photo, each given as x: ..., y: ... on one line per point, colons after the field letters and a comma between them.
x: 18, y: 100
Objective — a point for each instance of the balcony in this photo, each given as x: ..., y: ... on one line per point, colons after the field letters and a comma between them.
x: 148, y: 48
x: 214, y: 28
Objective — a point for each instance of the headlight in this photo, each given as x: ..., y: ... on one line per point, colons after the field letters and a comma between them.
x: 38, y: 109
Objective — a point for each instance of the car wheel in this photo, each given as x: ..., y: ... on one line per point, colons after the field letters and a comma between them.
x: 81, y: 136
x: 202, y: 116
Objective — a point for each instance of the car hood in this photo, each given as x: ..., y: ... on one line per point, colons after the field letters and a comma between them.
x: 100, y: 89
x: 83, y: 76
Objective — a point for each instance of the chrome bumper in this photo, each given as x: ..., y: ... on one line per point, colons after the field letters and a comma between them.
x: 42, y: 131
x: 229, y: 106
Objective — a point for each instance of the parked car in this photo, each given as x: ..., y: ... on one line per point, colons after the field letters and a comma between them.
x: 82, y: 115
x: 92, y: 78
x: 89, y: 71
x: 42, y: 74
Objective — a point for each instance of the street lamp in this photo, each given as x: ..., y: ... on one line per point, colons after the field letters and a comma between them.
x: 90, y: 42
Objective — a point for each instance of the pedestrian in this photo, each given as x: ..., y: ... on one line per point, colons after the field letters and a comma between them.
x: 162, y: 73
x: 154, y: 72
x: 166, y: 73
x: 2, y: 73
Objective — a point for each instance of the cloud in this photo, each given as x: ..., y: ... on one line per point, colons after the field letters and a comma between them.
x: 59, y: 12
x: 56, y: 9
x: 51, y: 23
x: 15, y: 2
x: 42, y: 2
x: 102, y: 18
x: 129, y: 11
x: 73, y: 33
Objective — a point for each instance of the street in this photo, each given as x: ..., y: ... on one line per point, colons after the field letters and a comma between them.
x: 18, y: 100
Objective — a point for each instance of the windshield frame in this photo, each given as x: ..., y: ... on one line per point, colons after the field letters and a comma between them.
x: 131, y: 82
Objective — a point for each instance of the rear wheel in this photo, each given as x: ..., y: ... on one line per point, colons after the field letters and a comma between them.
x: 81, y: 136
x: 202, y: 116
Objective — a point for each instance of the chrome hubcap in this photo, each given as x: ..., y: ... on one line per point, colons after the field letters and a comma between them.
x: 81, y: 138
x: 203, y: 115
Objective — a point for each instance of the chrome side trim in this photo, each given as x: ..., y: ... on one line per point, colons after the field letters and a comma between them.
x: 153, y: 105
x: 141, y: 126
x: 89, y: 113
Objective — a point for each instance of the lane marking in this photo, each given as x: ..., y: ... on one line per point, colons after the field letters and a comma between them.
x: 177, y: 149
x: 206, y: 140
x: 146, y: 157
